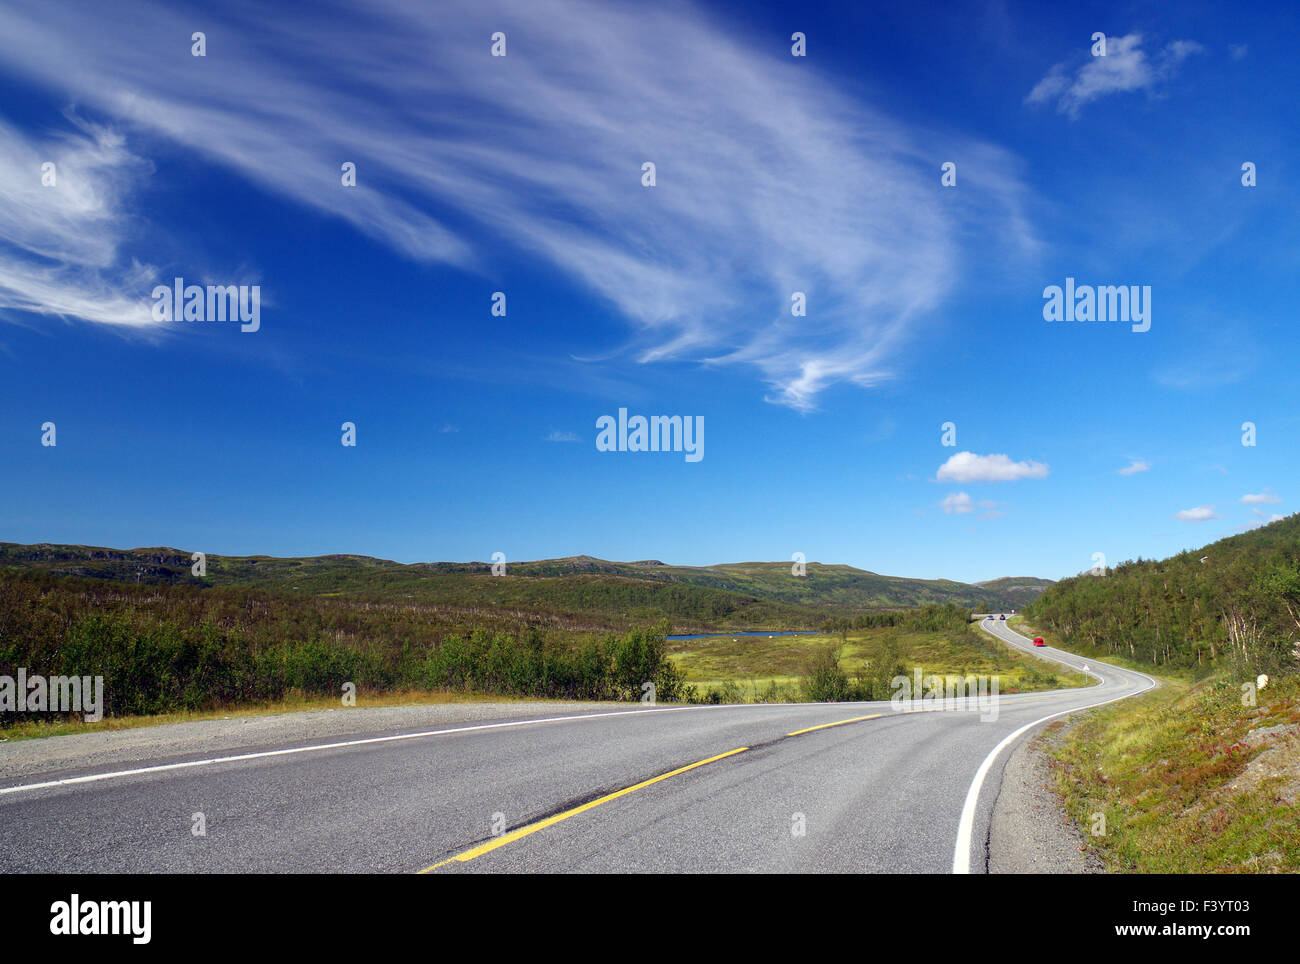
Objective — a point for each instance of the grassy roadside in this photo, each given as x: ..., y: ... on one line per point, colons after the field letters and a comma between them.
x: 1188, y: 779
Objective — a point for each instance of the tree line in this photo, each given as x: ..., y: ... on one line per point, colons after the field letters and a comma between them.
x: 1234, y: 604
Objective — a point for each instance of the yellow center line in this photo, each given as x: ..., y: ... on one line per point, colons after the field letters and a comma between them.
x: 551, y: 821
x: 856, y: 719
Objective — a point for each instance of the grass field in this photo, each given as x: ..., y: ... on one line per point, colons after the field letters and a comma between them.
x: 756, y: 665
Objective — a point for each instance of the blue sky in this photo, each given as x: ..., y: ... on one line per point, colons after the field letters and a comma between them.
x: 774, y: 174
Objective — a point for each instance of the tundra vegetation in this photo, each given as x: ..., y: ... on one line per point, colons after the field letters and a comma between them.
x: 1203, y: 774
x: 174, y: 647
x: 1233, y: 606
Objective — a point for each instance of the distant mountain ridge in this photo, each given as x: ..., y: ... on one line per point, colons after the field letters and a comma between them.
x: 767, y: 590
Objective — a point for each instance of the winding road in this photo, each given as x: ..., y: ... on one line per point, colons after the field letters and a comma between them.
x: 789, y: 788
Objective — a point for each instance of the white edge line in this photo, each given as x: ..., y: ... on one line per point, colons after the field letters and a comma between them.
x: 94, y: 777
x: 961, y: 853
x: 166, y: 767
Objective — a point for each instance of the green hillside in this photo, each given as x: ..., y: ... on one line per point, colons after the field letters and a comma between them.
x: 1232, y: 604
x: 580, y: 589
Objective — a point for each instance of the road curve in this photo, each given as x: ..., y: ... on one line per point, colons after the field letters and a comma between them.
x: 786, y: 788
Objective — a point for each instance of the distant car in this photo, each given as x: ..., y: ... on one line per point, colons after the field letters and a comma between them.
x: 1038, y: 641
x: 1002, y: 617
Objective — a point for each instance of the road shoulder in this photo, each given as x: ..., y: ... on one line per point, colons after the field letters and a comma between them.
x: 54, y: 756
x: 1030, y: 831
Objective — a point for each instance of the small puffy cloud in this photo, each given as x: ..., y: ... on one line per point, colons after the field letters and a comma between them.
x: 1137, y: 465
x: 1260, y: 498
x: 1125, y: 68
x: 1238, y: 51
x: 969, y: 467
x: 561, y: 437
x: 1202, y: 513
x: 957, y: 503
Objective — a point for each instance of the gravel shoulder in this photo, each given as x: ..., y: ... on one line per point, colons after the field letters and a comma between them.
x: 1030, y: 832
x: 50, y: 757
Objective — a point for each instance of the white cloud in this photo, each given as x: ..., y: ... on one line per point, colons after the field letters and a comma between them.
x: 1137, y: 465
x: 1260, y: 498
x: 957, y: 503
x: 769, y: 179
x: 60, y: 245
x: 1202, y: 513
x: 1125, y: 68
x: 969, y: 467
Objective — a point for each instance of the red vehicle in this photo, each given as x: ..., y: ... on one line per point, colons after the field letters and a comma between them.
x: 1038, y: 641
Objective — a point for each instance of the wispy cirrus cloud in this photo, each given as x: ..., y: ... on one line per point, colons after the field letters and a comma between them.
x: 1134, y: 467
x: 769, y: 179
x: 1126, y: 67
x: 61, y: 242
x: 969, y: 467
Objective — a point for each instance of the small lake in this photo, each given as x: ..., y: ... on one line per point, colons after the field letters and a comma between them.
x: 801, y: 632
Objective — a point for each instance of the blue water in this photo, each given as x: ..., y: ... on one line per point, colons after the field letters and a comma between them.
x: 801, y: 632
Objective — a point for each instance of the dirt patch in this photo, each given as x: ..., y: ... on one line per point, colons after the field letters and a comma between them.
x: 1279, y: 762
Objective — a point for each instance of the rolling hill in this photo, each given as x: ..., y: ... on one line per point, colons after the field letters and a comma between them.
x: 1234, y: 602
x: 611, y: 594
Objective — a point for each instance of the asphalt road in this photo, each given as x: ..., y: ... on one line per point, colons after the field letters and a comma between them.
x: 757, y: 788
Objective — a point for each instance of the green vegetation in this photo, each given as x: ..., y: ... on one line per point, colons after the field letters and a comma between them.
x: 1189, y: 779
x: 163, y: 649
x: 577, y: 594
x: 1233, y: 605
x: 858, y: 661
x: 182, y: 648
